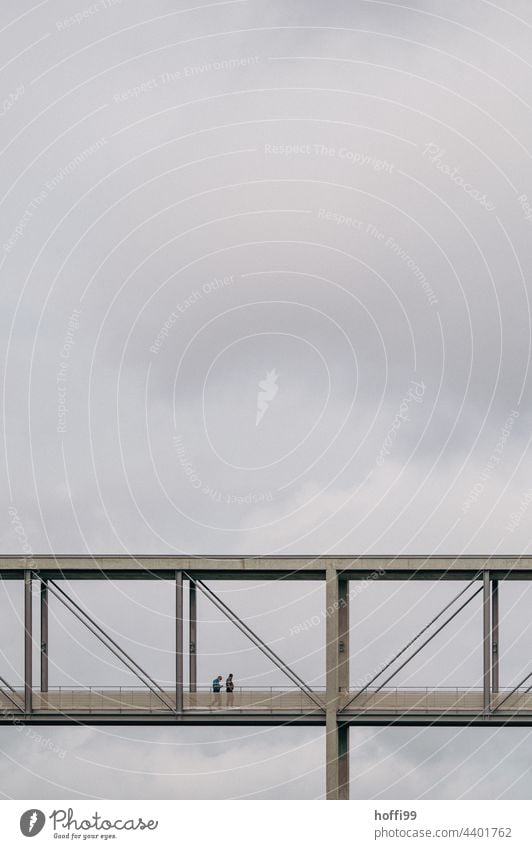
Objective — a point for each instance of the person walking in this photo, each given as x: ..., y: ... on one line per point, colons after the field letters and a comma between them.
x: 229, y: 689
x: 216, y: 688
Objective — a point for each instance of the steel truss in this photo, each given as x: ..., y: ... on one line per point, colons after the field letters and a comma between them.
x: 336, y: 709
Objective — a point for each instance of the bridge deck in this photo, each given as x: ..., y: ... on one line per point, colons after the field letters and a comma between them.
x: 427, y: 705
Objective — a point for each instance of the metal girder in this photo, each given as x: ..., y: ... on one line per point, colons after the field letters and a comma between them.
x: 255, y: 639
x: 515, y: 689
x: 422, y: 646
x: 10, y: 696
x: 83, y: 617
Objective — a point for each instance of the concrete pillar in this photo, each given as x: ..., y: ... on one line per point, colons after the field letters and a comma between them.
x: 343, y: 635
x: 343, y: 762
x: 337, y: 736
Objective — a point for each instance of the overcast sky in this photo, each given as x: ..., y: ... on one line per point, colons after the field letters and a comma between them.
x: 264, y: 272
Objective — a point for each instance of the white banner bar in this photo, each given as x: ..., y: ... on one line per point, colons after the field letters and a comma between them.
x: 268, y: 824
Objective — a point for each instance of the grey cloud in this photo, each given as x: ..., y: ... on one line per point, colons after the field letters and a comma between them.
x: 196, y: 181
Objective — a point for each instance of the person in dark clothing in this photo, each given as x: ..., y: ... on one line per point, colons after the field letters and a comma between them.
x: 229, y: 689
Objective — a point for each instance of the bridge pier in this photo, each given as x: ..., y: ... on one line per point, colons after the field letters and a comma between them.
x: 337, y: 680
x: 343, y: 762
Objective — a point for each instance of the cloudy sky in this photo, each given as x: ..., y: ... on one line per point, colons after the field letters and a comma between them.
x: 264, y: 272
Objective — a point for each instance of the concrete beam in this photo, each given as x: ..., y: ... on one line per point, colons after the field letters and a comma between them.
x: 267, y: 719
x: 258, y: 568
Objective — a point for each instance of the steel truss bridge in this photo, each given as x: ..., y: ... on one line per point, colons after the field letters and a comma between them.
x: 334, y: 707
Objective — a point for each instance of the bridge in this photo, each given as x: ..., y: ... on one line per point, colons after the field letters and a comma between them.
x: 335, y: 707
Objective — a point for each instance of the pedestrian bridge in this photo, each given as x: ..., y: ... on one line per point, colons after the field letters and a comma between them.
x: 273, y: 705
x: 183, y: 702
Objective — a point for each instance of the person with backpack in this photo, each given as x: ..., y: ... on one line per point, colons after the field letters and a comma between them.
x: 216, y: 688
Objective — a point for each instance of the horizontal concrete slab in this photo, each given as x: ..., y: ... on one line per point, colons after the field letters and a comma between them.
x: 434, y: 567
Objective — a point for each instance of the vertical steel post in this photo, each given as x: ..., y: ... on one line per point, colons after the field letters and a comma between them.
x: 179, y: 641
x: 495, y: 636
x: 486, y: 641
x: 44, y: 635
x: 192, y: 637
x: 28, y: 645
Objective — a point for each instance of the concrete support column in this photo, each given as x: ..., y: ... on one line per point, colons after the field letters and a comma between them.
x: 179, y: 641
x: 337, y: 736
x: 486, y: 640
x: 192, y: 637
x: 343, y: 635
x: 343, y: 762
x: 44, y: 635
x: 495, y: 636
x: 28, y: 643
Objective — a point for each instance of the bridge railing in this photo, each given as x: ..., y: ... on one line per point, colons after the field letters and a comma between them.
x: 127, y: 699
x: 423, y: 699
